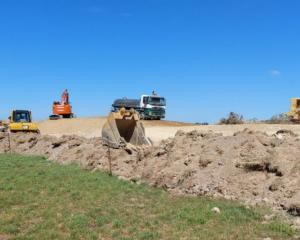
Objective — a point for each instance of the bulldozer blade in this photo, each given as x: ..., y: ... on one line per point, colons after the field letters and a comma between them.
x: 118, y: 132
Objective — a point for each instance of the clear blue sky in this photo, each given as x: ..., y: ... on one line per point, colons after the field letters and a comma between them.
x: 206, y: 57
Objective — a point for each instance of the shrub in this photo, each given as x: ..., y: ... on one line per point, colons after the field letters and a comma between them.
x: 233, y: 118
x: 281, y: 118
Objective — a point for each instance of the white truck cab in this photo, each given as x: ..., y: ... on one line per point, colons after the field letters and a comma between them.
x: 154, y: 107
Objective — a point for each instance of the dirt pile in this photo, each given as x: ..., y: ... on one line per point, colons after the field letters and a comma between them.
x: 248, y: 166
x: 88, y: 153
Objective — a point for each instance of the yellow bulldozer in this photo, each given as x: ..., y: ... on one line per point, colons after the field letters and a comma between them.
x: 124, y: 127
x: 21, y: 121
x: 294, y: 113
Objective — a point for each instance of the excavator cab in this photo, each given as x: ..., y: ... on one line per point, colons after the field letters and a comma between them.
x: 62, y: 109
x: 21, y: 121
x: 122, y: 128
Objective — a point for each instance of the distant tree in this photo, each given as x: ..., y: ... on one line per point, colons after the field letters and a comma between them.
x: 281, y: 118
x: 233, y: 118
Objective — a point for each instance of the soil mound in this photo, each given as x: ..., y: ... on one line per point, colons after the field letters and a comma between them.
x: 249, y: 166
x: 88, y: 153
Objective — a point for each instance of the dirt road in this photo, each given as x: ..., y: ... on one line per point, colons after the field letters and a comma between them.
x: 156, y: 130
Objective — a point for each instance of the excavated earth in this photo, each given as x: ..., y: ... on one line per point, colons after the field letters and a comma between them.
x: 251, y: 167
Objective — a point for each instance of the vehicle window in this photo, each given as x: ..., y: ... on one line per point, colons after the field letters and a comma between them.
x: 145, y: 100
x: 22, y: 117
x: 157, y: 101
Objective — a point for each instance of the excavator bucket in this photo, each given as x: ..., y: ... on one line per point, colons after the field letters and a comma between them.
x: 124, y: 127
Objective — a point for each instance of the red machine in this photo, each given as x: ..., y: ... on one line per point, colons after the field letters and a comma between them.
x: 62, y: 109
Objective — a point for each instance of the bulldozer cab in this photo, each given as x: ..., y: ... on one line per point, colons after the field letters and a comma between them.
x: 21, y: 116
x: 21, y: 121
x: 122, y: 128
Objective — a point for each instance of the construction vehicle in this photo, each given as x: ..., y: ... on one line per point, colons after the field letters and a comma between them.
x: 21, y: 121
x: 294, y: 113
x: 3, y: 126
x: 124, y: 127
x: 62, y: 109
x: 150, y: 107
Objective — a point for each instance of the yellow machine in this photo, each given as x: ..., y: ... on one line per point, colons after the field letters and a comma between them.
x: 294, y: 112
x: 21, y: 121
x: 124, y: 127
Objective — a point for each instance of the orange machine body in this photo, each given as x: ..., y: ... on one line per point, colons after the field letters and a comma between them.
x: 64, y: 110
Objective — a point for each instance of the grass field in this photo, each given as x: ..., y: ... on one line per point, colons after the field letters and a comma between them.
x: 44, y: 200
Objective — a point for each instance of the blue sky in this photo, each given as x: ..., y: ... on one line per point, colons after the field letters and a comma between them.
x: 207, y: 57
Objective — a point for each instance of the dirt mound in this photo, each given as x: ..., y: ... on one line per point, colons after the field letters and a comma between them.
x: 155, y: 130
x: 91, y: 127
x: 248, y: 166
x: 88, y: 153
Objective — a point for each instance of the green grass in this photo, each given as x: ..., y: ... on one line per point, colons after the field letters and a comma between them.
x: 44, y: 200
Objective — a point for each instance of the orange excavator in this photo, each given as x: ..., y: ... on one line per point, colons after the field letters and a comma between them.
x: 62, y: 109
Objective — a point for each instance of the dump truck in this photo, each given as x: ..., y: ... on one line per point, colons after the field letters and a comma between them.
x: 122, y: 128
x: 150, y: 107
x: 294, y: 113
x: 21, y: 121
x: 62, y: 109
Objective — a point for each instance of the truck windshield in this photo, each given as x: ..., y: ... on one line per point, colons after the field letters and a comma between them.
x: 22, y: 116
x: 157, y: 101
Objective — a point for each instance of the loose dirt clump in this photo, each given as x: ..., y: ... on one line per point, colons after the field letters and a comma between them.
x: 249, y: 166
x: 88, y: 153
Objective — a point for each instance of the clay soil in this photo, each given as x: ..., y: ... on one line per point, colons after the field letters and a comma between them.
x: 254, y: 167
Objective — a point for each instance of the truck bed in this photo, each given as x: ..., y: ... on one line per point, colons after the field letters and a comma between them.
x: 126, y: 103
